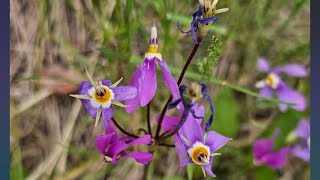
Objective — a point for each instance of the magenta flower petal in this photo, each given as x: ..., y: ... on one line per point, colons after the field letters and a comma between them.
x: 169, y: 122
x: 124, y: 92
x: 278, y: 159
x: 141, y: 157
x: 215, y: 141
x: 133, y: 103
x: 192, y: 130
x: 294, y: 70
x: 182, y: 152
x: 115, y: 148
x: 107, y: 114
x: 287, y: 94
x: 301, y: 152
x: 303, y: 130
x: 168, y: 79
x: 266, y: 92
x: 146, y: 139
x: 263, y: 65
x: 103, y: 141
x: 147, y: 81
x: 261, y: 147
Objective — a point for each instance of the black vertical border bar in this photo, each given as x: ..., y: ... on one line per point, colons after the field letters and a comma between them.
x: 315, y: 89
x: 5, y: 89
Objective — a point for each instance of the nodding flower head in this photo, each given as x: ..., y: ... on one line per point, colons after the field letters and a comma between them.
x: 206, y: 14
x: 144, y: 78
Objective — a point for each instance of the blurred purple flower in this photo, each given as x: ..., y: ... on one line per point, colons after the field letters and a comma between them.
x: 206, y: 14
x: 274, y: 84
x: 193, y: 146
x: 113, y: 147
x: 302, y: 149
x: 98, y: 97
x: 265, y: 155
x: 144, y: 78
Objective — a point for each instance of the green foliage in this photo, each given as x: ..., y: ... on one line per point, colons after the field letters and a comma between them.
x: 16, y: 172
x: 206, y: 66
x: 226, y: 120
x: 264, y: 173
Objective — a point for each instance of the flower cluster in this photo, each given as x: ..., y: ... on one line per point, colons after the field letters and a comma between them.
x: 298, y: 141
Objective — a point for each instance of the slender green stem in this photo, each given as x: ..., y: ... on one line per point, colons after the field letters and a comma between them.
x: 122, y: 130
x: 167, y: 145
x: 164, y: 110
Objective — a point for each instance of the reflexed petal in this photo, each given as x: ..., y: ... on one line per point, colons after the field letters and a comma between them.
x: 208, y: 170
x: 215, y: 141
x: 106, y: 82
x: 287, y: 94
x: 300, y: 152
x: 303, y: 129
x: 148, y: 82
x: 141, y: 157
x: 124, y: 92
x: 168, y: 79
x: 192, y: 130
x: 266, y: 92
x: 115, y: 148
x: 102, y: 142
x: 182, y: 152
x: 84, y: 88
x: 146, y: 139
x: 263, y: 65
x: 277, y: 159
x: 133, y: 103
x: 169, y: 122
x: 107, y: 114
x: 294, y: 70
x: 262, y: 147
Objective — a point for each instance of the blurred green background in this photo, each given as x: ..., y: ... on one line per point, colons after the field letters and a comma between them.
x: 52, y: 137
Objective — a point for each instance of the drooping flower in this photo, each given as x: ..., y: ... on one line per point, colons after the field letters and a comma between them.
x: 264, y: 154
x: 144, y: 78
x: 98, y: 97
x: 189, y: 96
x: 113, y: 147
x: 206, y: 14
x: 302, y: 149
x: 195, y: 146
x: 274, y: 84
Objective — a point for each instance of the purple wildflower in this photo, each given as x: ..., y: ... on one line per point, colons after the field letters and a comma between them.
x: 193, y: 146
x: 264, y: 154
x: 144, y: 78
x: 113, y: 147
x: 98, y: 97
x: 302, y: 149
x: 274, y: 84
x: 206, y: 14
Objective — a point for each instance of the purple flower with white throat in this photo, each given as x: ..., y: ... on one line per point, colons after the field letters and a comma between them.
x: 274, y: 84
x: 195, y: 146
x: 144, y: 78
x: 302, y: 149
x: 113, y: 147
x: 98, y: 97
x: 264, y: 154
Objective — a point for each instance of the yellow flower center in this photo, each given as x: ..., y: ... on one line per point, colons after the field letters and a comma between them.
x: 199, y: 153
x: 103, y: 97
x: 153, y: 48
x: 269, y: 80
